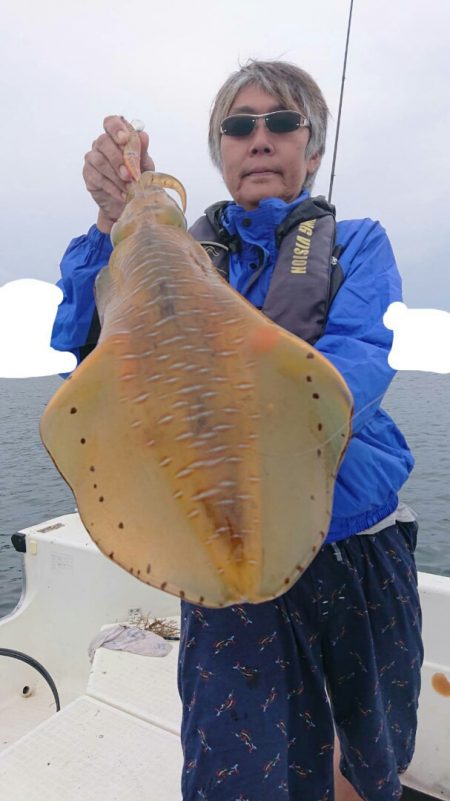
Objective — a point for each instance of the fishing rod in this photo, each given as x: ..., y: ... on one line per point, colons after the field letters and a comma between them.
x: 336, y: 139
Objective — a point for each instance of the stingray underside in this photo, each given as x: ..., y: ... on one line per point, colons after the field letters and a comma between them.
x: 201, y: 440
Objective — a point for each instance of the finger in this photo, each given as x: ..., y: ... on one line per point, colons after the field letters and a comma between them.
x: 98, y: 184
x: 103, y: 166
x: 97, y: 167
x: 114, y: 153
x: 147, y: 162
x: 143, y: 136
x: 111, y: 152
x: 110, y: 144
x: 116, y: 128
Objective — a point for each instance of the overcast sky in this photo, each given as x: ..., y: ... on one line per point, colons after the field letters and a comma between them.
x: 66, y: 65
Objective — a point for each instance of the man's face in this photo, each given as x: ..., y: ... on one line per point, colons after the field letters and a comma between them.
x: 264, y: 164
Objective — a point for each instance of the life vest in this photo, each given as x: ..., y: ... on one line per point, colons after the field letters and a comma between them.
x: 307, y: 273
x: 306, y: 276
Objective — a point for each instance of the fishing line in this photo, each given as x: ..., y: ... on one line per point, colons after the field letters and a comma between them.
x: 332, y: 437
x: 343, y: 427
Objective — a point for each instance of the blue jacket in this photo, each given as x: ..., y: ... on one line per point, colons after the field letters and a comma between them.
x: 377, y: 461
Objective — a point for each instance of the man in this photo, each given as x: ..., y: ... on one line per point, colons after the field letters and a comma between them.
x: 265, y: 687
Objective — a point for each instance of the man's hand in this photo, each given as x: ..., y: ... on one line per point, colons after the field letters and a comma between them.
x: 105, y: 174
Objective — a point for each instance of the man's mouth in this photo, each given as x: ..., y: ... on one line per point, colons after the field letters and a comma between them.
x: 260, y: 171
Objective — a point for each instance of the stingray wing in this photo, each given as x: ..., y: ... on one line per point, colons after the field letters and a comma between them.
x: 238, y: 521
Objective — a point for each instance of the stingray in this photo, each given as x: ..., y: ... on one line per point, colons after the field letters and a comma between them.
x: 200, y: 439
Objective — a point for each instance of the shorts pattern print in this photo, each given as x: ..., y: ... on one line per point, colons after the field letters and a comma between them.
x: 264, y: 686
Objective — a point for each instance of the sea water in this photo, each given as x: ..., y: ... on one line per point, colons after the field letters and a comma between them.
x: 31, y: 489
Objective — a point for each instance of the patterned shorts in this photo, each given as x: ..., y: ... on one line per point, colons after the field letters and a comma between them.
x: 265, y: 686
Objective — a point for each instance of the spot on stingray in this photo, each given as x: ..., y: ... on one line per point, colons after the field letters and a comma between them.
x: 120, y: 525
x: 300, y: 568
x: 82, y: 440
x: 319, y: 452
x: 312, y: 497
x: 310, y: 356
x: 73, y: 410
x: 316, y: 395
x: 92, y: 468
x: 287, y: 580
x: 101, y: 499
x: 182, y: 594
x: 95, y: 486
x: 149, y: 567
x: 163, y: 585
x: 111, y: 555
x: 201, y: 599
x: 320, y: 426
x: 308, y: 378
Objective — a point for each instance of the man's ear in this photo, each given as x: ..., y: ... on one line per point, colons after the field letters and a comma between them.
x: 313, y: 163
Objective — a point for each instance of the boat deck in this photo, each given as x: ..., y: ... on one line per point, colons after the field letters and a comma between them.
x: 119, y: 741
x: 117, y: 735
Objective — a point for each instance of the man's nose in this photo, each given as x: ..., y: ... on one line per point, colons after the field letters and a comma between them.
x: 261, y: 140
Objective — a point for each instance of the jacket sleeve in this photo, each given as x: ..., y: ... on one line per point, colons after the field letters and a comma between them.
x: 355, y: 339
x: 76, y: 326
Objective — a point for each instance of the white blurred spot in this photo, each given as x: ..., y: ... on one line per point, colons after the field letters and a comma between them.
x: 27, y: 313
x: 138, y: 125
x: 421, y: 338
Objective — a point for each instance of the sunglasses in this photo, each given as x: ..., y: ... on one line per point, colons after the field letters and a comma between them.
x: 276, y: 122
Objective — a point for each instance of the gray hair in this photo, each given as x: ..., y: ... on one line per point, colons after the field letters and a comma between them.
x: 292, y: 86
